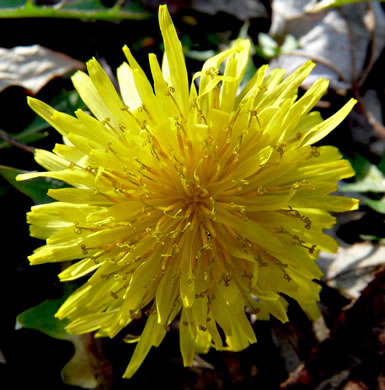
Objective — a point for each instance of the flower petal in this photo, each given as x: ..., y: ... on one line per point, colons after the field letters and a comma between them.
x: 174, y: 66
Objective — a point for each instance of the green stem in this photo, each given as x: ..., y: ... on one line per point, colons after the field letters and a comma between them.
x: 29, y: 10
x: 5, y: 137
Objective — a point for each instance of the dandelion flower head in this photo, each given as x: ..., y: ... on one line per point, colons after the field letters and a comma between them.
x: 205, y: 203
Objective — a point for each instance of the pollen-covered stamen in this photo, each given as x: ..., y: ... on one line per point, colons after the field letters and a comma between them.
x: 181, y: 136
x: 196, y: 198
x: 255, y: 188
x: 212, y: 72
x: 101, y: 226
x: 88, y: 169
x: 168, y: 227
x: 297, y: 240
x: 200, y: 116
x: 280, y: 148
x: 254, y: 118
x: 227, y: 150
x: 275, y: 261
x: 145, y: 171
x: 148, y: 112
x: 206, y: 241
x: 119, y: 181
x: 295, y: 139
x: 210, y: 164
x: 297, y: 214
x: 303, y: 183
x: 170, y: 93
x: 95, y: 257
x: 314, y: 152
x: 259, y: 261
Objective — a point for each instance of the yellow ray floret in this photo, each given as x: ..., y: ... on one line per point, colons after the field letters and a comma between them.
x: 206, y: 204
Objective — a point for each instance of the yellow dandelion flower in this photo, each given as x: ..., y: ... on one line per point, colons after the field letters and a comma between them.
x: 204, y: 203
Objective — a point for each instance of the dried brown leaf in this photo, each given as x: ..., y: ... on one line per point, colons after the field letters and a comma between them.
x: 338, y: 40
x: 353, y: 267
x: 88, y: 368
x: 31, y: 67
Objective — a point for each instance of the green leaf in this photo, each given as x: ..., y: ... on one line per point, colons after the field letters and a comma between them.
x: 360, y: 165
x: 75, y: 9
x: 65, y: 101
x: 377, y: 205
x: 267, y: 45
x: 268, y: 48
x: 36, y: 189
x: 42, y: 318
x: 87, y: 368
x: 4, y: 187
x: 325, y: 4
x: 12, y: 3
x: 368, y: 237
x: 372, y: 181
x: 289, y: 44
x: 31, y: 133
x: 381, y: 165
x: 200, y: 55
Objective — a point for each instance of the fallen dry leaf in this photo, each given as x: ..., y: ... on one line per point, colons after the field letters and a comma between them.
x: 88, y: 368
x: 363, y: 127
x: 354, y: 353
x: 242, y: 9
x: 353, y: 267
x: 338, y: 40
x: 31, y: 67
